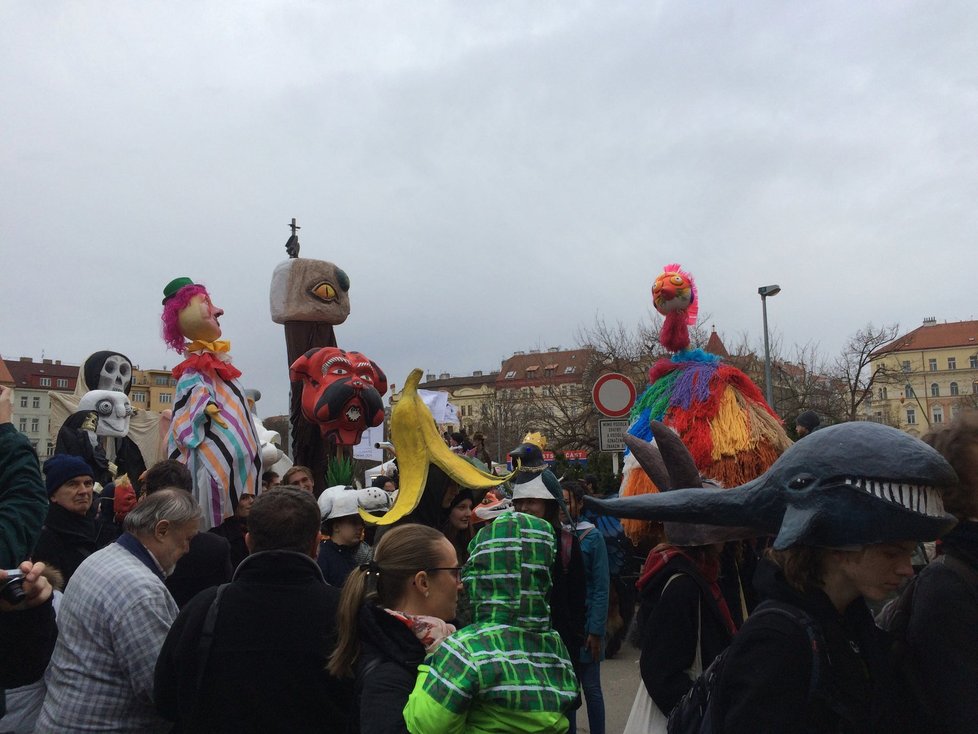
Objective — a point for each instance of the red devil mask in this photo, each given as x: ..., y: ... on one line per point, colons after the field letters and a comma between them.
x: 341, y: 392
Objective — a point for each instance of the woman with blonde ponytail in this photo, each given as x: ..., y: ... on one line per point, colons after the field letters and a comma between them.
x: 392, y: 613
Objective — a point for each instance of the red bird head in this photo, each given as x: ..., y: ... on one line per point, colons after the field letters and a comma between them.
x: 674, y: 296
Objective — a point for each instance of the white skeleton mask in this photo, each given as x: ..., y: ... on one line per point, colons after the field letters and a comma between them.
x: 113, y: 409
x: 116, y: 374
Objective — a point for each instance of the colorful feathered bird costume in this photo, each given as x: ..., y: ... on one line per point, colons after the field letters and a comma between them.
x: 718, y: 412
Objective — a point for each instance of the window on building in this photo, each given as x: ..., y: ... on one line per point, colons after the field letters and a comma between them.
x: 45, y: 382
x: 938, y: 414
x: 974, y: 387
x: 36, y: 402
x: 525, y: 392
x: 955, y: 409
x: 878, y: 416
x: 35, y: 425
x: 50, y: 449
x: 883, y: 393
x: 165, y: 397
x: 952, y: 363
x: 908, y: 392
x: 911, y: 417
x: 62, y: 382
x: 905, y: 365
x: 935, y: 390
x: 511, y: 374
x: 163, y: 381
x: 23, y: 401
x: 563, y: 389
x: 570, y: 370
x: 954, y: 388
x: 973, y: 361
x: 23, y: 425
x: 139, y: 397
x: 932, y: 365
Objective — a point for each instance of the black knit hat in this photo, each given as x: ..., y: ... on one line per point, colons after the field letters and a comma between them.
x: 808, y: 419
x: 62, y: 467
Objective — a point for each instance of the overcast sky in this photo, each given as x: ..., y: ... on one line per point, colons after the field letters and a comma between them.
x: 491, y: 175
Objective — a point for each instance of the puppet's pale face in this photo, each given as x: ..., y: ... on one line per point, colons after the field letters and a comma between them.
x: 199, y: 319
x: 116, y: 374
x: 113, y: 409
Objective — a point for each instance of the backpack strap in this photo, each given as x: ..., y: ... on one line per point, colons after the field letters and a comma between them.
x: 207, y: 639
x: 816, y: 642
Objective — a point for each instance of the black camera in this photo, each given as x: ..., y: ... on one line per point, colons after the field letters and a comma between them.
x: 12, y: 588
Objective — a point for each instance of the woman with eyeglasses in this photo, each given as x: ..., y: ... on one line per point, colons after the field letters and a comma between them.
x: 392, y: 613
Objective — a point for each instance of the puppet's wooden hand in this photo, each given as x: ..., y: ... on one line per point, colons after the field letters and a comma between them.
x: 214, y: 413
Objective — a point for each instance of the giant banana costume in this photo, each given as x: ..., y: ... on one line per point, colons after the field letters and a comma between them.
x: 418, y: 446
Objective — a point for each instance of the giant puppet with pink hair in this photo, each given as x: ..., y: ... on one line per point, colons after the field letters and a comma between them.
x: 212, y: 431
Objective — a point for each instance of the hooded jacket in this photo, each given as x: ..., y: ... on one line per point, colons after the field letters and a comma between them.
x: 508, y: 671
x: 764, y: 687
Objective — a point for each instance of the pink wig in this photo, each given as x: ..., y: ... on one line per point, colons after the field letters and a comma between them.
x: 171, y: 315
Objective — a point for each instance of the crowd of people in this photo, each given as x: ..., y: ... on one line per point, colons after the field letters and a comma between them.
x: 291, y: 615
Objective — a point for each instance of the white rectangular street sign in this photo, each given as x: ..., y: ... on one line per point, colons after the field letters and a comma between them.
x: 611, y: 434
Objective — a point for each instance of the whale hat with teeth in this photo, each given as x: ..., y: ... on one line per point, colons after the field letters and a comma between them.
x: 851, y: 484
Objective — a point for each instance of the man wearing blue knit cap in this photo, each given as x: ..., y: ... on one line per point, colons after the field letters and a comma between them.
x: 70, y: 533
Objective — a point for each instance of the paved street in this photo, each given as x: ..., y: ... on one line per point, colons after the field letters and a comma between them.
x: 619, y: 681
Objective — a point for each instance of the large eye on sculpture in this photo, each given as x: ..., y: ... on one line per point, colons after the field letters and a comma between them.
x: 324, y: 291
x: 676, y: 280
x: 104, y: 407
x: 367, y: 377
x: 801, y: 481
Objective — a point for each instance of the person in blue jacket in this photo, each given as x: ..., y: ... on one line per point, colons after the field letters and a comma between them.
x: 587, y: 661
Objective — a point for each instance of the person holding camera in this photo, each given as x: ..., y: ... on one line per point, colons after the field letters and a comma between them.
x: 27, y: 628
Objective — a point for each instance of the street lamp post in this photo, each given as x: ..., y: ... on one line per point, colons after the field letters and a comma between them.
x: 764, y: 291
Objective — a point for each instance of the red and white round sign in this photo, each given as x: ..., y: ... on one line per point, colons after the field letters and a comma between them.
x: 613, y: 394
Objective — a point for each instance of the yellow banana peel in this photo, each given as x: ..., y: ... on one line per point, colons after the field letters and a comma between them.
x: 418, y: 445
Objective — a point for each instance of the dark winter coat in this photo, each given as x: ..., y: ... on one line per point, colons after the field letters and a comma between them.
x: 386, y: 671
x: 670, y: 617
x: 233, y: 531
x: 568, y: 597
x: 764, y: 686
x: 943, y: 636
x: 266, y: 671
x: 23, y: 499
x: 207, y: 564
x: 336, y: 561
x: 68, y: 538
x: 27, y: 639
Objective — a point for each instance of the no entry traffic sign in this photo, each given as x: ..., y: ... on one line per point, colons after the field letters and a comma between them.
x: 613, y: 394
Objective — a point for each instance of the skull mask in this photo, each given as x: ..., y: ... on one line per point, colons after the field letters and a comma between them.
x: 108, y: 371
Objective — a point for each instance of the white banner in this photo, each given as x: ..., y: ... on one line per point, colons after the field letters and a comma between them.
x: 365, y: 450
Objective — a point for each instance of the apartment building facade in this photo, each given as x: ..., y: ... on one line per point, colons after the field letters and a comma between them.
x: 926, y: 376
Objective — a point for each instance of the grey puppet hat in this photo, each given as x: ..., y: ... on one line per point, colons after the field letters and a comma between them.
x: 849, y: 484
x: 670, y: 466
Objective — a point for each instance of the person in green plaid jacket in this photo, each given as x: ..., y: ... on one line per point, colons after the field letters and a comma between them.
x: 508, y: 671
